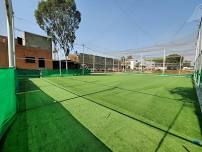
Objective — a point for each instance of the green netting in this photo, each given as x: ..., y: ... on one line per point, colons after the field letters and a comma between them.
x: 70, y: 72
x: 22, y: 73
x: 7, y: 98
x: 27, y: 73
x: 178, y: 75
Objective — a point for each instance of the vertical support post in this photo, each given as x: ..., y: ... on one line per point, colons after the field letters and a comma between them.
x: 200, y: 66
x: 11, y: 37
x: 124, y: 64
x: 66, y: 64
x: 118, y: 65
x: 164, y: 60
x: 180, y: 65
x: 105, y: 64
x: 141, y: 63
x: 60, y: 65
x: 113, y: 64
x: 93, y: 63
x: 83, y: 60
x: 199, y: 57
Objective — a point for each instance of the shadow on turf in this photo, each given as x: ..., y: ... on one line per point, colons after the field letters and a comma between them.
x: 135, y: 91
x: 186, y: 94
x: 190, y: 94
x: 48, y: 128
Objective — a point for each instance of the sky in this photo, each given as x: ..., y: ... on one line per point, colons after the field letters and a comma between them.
x: 112, y: 25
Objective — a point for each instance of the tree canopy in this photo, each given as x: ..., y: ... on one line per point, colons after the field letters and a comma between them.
x: 59, y: 19
x: 172, y: 58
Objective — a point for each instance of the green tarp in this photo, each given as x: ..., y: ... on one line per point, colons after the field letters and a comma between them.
x: 7, y: 98
x: 69, y: 72
x: 21, y: 73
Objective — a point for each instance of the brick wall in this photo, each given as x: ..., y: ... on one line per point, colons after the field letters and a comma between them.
x: 21, y: 53
x: 3, y: 55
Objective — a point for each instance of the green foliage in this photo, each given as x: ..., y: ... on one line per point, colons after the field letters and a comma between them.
x: 130, y: 57
x: 172, y: 58
x: 59, y: 19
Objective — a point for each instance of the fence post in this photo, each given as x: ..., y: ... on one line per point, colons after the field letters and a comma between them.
x: 83, y: 59
x: 11, y: 37
x: 180, y: 64
x: 66, y: 65
x: 118, y: 65
x: 164, y: 60
x: 199, y: 74
x: 93, y: 63
x: 141, y: 63
x: 113, y: 64
x: 60, y: 67
x: 105, y: 64
x: 124, y: 64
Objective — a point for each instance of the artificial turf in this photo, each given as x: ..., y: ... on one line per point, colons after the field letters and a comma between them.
x: 123, y: 112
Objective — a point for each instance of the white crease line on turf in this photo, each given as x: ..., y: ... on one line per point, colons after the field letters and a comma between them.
x: 28, y: 91
x: 136, y: 119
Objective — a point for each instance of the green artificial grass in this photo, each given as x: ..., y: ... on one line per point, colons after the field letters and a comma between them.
x: 150, y: 98
x: 125, y: 112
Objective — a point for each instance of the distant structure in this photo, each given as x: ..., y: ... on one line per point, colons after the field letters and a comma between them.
x: 32, y: 52
x: 37, y: 41
x: 99, y: 63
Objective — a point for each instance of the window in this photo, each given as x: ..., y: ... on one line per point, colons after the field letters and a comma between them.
x: 19, y: 40
x: 30, y: 59
x: 41, y: 63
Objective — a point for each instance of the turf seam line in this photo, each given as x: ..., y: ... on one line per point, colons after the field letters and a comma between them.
x: 170, y: 126
x: 56, y: 101
x: 92, y: 82
x: 31, y: 91
x: 175, y: 135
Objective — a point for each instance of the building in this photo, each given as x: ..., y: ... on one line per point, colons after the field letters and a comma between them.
x: 99, y: 63
x: 32, y: 52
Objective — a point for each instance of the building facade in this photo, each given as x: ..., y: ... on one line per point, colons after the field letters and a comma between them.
x: 28, y: 55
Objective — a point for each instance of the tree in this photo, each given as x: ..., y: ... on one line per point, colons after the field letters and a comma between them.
x: 59, y: 19
x: 130, y: 57
x: 172, y: 61
x: 174, y: 58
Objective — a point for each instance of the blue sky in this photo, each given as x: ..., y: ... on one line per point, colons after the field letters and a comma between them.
x: 110, y: 25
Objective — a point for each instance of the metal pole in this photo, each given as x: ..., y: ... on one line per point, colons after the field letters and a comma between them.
x: 199, y: 57
x: 11, y: 38
x: 124, y: 64
x: 180, y: 64
x: 141, y: 63
x: 66, y: 64
x: 83, y: 59
x: 105, y: 64
x: 113, y: 64
x: 118, y: 65
x: 60, y: 65
x: 164, y: 60
x: 196, y: 58
x: 93, y: 63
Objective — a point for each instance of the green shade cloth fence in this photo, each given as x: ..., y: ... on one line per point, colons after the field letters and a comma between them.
x: 69, y: 72
x: 22, y: 73
x: 9, y: 85
x: 7, y: 98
